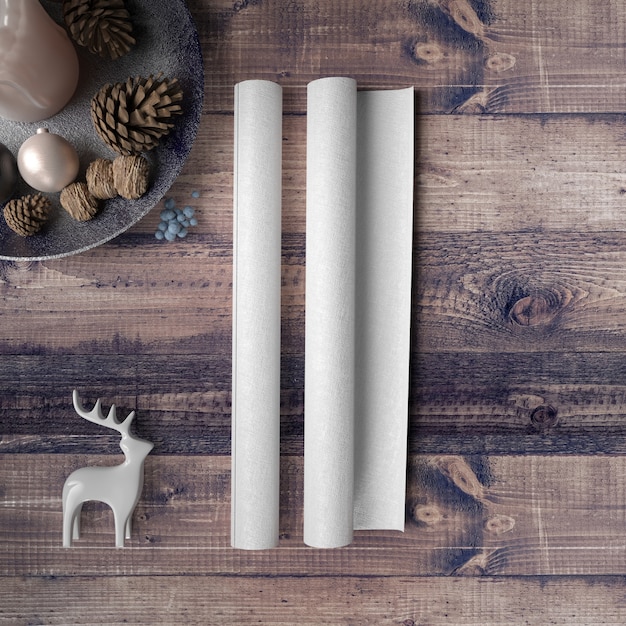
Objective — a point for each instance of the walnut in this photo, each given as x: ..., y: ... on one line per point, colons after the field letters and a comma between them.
x: 100, y: 179
x: 77, y: 200
x: 130, y: 176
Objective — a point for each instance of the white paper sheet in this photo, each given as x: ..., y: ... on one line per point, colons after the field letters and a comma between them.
x: 255, y: 453
x: 384, y: 258
x: 360, y: 151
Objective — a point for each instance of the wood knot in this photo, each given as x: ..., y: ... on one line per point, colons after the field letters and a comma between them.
x: 499, y: 62
x: 240, y: 5
x: 427, y: 514
x: 465, y: 16
x: 428, y: 52
x: 544, y: 417
x: 529, y: 299
x: 533, y: 311
x: 457, y: 470
x: 499, y: 524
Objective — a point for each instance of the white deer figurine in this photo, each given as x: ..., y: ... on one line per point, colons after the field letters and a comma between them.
x: 118, y: 486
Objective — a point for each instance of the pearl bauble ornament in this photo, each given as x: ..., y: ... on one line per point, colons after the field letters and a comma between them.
x: 8, y: 173
x: 47, y: 162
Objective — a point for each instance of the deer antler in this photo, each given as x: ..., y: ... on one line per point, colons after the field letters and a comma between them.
x: 95, y: 415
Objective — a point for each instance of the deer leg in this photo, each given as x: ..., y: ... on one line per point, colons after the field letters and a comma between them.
x: 76, y: 521
x: 129, y: 525
x: 70, y: 523
x: 119, y: 530
x: 67, y: 528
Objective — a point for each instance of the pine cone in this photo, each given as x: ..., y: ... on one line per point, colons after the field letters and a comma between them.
x: 26, y: 215
x: 104, y: 27
x: 132, y: 117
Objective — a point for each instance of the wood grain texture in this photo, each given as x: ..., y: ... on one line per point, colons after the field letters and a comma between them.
x: 515, y: 500
x: 466, y: 516
x: 344, y: 600
x: 467, y: 56
x: 503, y: 300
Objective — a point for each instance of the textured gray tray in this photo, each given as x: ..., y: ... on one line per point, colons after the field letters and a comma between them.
x: 167, y: 41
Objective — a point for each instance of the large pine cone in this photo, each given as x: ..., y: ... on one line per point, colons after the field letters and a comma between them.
x: 104, y: 27
x: 26, y: 215
x: 132, y: 117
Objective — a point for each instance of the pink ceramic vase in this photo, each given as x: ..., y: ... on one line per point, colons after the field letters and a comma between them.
x: 38, y: 62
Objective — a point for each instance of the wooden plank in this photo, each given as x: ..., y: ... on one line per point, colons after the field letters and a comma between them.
x: 533, y: 173
x: 525, y: 292
x: 473, y: 174
x: 374, y: 601
x: 566, y: 57
x: 539, y: 403
x: 462, y: 403
x: 476, y: 516
x: 469, y: 57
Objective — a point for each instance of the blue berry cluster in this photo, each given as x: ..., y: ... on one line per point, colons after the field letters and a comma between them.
x: 175, y: 221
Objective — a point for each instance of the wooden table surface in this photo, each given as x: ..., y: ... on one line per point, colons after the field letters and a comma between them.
x: 516, y: 504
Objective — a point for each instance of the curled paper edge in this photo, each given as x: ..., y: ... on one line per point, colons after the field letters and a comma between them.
x: 357, y: 315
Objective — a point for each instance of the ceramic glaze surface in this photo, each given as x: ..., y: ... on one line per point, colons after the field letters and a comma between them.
x: 8, y: 173
x: 119, y: 486
x: 176, y: 55
x: 38, y: 63
x: 47, y: 161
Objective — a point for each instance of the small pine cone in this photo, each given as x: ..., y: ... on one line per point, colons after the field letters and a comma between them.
x: 130, y: 176
x: 104, y: 27
x: 78, y: 201
x: 100, y: 179
x: 26, y: 215
x: 132, y: 117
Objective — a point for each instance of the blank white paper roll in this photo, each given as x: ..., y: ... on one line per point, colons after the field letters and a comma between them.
x: 360, y: 151
x: 329, y: 325
x: 255, y: 452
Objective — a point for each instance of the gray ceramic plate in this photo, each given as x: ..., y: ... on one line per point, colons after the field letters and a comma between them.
x: 167, y: 42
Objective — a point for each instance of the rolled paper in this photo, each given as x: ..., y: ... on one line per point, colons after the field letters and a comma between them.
x: 329, y: 324
x: 360, y: 152
x: 256, y: 315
